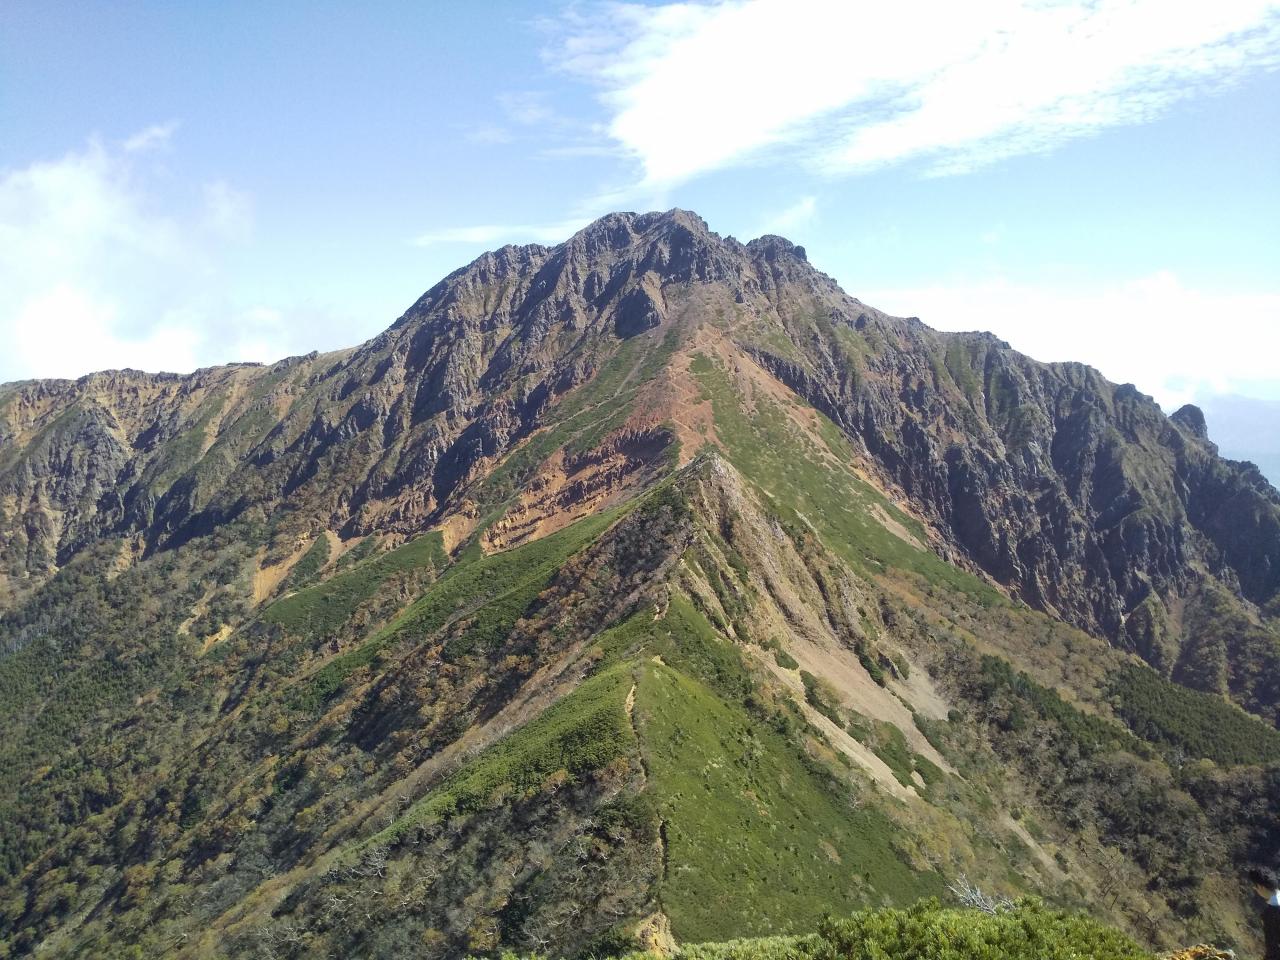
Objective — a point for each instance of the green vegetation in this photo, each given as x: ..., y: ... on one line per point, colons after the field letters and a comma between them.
x: 685, y: 639
x: 870, y: 662
x: 751, y: 948
x: 1197, y: 724
x: 804, y: 487
x: 929, y: 771
x: 889, y: 744
x: 322, y: 609
x: 492, y: 591
x: 757, y: 840
x: 1225, y: 651
x: 622, y: 640
x: 82, y: 654
x: 785, y: 660
x: 959, y: 364
x: 185, y: 449
x: 901, y: 665
x: 891, y: 747
x: 819, y: 695
x: 928, y: 932
x: 1094, y: 777
x: 1031, y: 700
x: 584, y: 731
x: 306, y: 569
x: 366, y: 548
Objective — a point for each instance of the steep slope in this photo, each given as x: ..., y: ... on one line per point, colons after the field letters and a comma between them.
x: 687, y: 709
x: 644, y: 583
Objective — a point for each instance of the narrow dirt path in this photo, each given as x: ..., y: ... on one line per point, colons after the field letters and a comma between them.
x: 661, y: 841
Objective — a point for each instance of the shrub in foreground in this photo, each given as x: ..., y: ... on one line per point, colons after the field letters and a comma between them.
x: 927, y: 931
x: 1028, y: 931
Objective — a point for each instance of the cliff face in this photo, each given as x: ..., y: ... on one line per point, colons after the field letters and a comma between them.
x: 1078, y: 495
x: 378, y: 437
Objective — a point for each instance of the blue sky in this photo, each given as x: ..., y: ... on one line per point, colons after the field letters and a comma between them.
x: 187, y: 184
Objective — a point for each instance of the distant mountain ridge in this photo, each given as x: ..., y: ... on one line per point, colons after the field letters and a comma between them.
x: 1247, y: 428
x: 645, y: 585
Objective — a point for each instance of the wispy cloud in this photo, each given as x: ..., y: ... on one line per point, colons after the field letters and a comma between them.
x: 529, y: 116
x: 792, y: 218
x: 153, y: 137
x: 694, y: 87
x: 1172, y: 340
x: 490, y: 134
x: 500, y: 233
x: 528, y: 108
x: 228, y: 211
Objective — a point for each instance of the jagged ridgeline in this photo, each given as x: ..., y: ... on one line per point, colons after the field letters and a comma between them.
x: 643, y: 590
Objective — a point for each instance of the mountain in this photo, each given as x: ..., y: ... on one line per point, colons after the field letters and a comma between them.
x: 643, y: 586
x: 1249, y: 428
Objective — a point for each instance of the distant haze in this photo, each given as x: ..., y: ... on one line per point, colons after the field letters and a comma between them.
x: 1246, y: 429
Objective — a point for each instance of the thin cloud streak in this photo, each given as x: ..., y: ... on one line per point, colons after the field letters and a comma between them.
x: 501, y: 233
x: 792, y: 218
x: 695, y: 87
x: 156, y: 136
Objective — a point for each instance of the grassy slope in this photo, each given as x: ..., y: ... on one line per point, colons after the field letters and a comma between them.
x: 493, y: 590
x: 757, y: 842
x: 321, y: 609
x: 799, y: 479
x: 582, y: 732
x: 759, y: 838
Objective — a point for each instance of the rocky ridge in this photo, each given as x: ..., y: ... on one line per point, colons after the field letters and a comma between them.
x: 1079, y: 496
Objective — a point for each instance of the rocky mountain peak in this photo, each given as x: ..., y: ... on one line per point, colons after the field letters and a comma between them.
x: 625, y: 229
x: 771, y: 247
x: 610, y: 275
x: 674, y: 246
x: 1191, y: 417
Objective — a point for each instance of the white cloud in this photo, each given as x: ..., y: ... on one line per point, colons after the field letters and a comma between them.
x: 525, y: 110
x: 228, y: 211
x: 1172, y: 341
x: 488, y: 134
x: 694, y: 87
x: 100, y: 270
x: 792, y: 218
x: 64, y: 331
x: 499, y: 233
x: 526, y: 107
x: 154, y: 137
